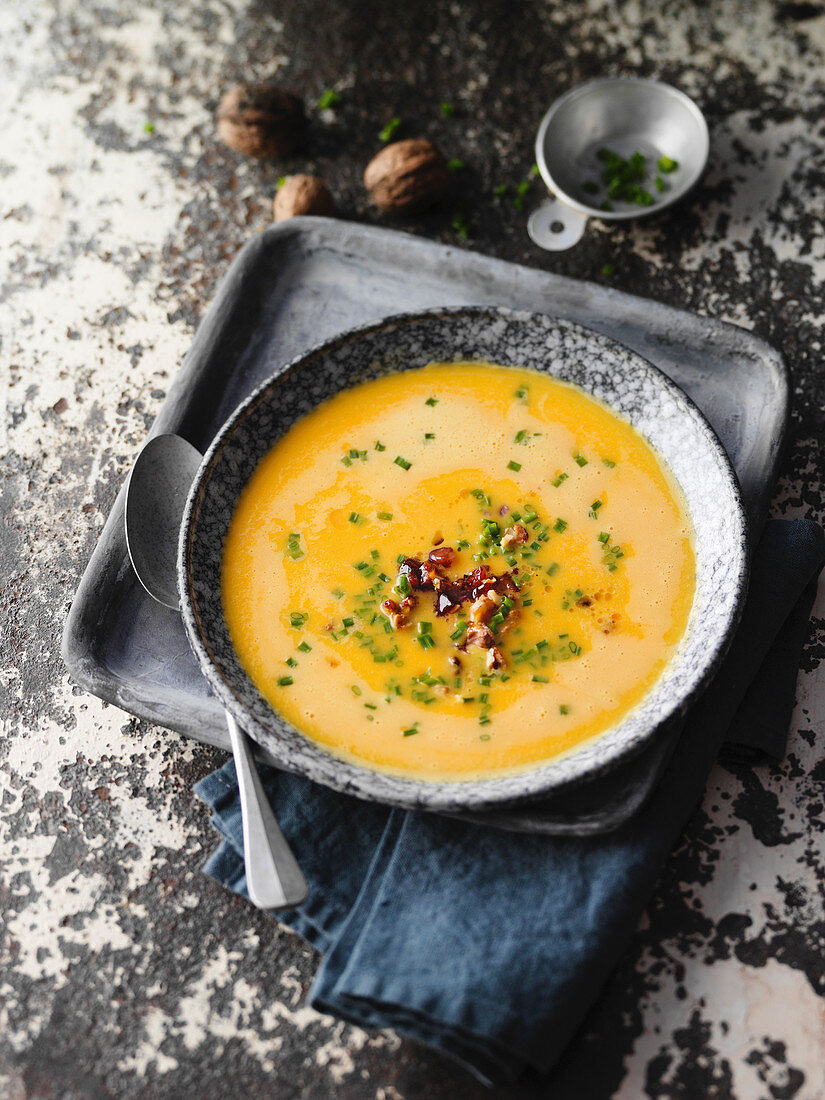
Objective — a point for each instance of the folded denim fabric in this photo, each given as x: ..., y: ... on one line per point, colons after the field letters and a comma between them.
x: 491, y: 945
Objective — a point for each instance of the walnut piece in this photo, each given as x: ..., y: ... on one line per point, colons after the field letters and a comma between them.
x: 302, y: 194
x: 407, y: 176
x: 260, y: 120
x: 514, y: 536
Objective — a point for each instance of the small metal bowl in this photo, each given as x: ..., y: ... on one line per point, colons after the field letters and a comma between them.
x: 626, y: 115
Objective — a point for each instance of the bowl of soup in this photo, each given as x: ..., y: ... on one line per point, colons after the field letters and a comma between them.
x: 462, y: 558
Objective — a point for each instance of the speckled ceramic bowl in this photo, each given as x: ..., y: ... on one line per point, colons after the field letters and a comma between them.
x: 621, y: 378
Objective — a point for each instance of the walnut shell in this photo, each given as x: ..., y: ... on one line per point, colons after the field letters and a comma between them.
x: 302, y: 194
x: 407, y: 176
x: 261, y: 120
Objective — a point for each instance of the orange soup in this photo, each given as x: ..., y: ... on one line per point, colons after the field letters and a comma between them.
x: 458, y: 571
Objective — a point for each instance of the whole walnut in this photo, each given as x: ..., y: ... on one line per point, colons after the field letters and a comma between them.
x: 407, y: 176
x: 302, y: 194
x: 261, y: 120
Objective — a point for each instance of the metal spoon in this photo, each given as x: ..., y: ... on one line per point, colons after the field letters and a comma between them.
x: 155, y: 499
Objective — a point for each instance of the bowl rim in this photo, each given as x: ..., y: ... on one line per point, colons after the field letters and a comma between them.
x: 581, y: 90
x: 450, y: 796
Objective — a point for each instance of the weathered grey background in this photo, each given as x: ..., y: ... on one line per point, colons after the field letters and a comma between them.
x: 123, y: 971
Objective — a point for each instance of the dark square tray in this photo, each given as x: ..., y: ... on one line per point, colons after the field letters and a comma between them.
x: 306, y: 280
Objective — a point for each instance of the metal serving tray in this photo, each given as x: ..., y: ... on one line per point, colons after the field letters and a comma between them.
x: 308, y: 279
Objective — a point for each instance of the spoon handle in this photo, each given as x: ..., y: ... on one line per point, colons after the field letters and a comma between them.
x: 273, y: 877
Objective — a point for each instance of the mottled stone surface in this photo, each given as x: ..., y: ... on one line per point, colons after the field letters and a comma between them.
x: 123, y: 972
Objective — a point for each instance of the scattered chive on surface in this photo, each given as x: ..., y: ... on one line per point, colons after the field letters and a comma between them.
x: 329, y: 98
x: 514, y: 466
x: 459, y: 224
x: 388, y: 131
x: 431, y: 401
x: 402, y: 462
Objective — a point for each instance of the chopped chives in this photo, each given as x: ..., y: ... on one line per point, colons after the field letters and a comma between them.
x: 560, y: 525
x: 522, y: 436
x: 429, y: 435
x: 402, y: 462
x: 564, y: 709
x: 540, y: 679
x: 347, y: 461
x: 361, y: 566
x: 292, y: 662
x: 348, y: 622
x: 551, y: 570
x: 297, y: 618
x: 514, y: 466
x: 410, y: 731
x: 609, y: 463
x: 329, y: 99
x: 556, y: 482
x: 305, y: 647
x: 425, y: 628
x: 484, y: 737
x: 370, y: 706
x: 403, y: 584
x: 431, y: 401
x: 388, y: 131
x: 379, y: 446
x: 580, y: 460
x: 284, y: 681
x: 386, y: 516
x: 355, y: 689
x: 354, y: 517
x: 604, y: 536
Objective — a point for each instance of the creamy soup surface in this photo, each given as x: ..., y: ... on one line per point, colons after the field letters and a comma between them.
x: 458, y: 571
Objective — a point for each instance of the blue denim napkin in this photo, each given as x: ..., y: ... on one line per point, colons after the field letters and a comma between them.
x: 491, y: 946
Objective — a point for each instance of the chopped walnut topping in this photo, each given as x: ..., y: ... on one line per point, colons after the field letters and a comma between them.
x: 479, y: 635
x: 394, y: 614
x: 495, y: 659
x: 514, y: 536
x: 443, y: 557
x: 484, y: 607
